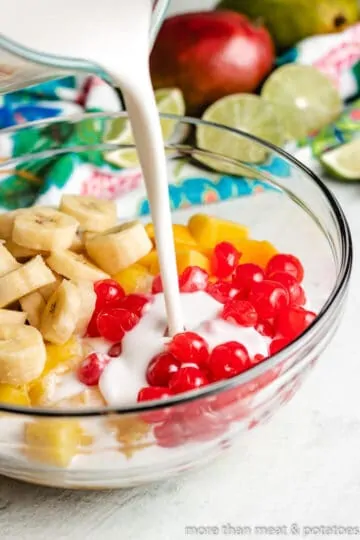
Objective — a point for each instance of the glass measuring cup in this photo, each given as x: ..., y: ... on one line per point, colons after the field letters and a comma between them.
x: 23, y: 64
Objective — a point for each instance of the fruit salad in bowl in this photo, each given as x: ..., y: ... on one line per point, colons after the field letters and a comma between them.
x: 94, y: 392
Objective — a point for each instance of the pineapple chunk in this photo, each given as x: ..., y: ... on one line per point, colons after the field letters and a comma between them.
x: 42, y: 390
x: 181, y: 233
x: 59, y: 359
x: 185, y: 256
x: 131, y: 433
x: 14, y: 395
x: 54, y: 442
x: 89, y: 398
x: 58, y: 355
x: 190, y: 257
x: 149, y: 259
x: 256, y: 251
x: 134, y: 279
x: 209, y: 230
x: 149, y: 228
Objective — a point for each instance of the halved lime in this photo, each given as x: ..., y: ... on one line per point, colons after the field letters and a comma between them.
x: 306, y: 99
x: 169, y: 101
x: 343, y: 161
x: 248, y: 113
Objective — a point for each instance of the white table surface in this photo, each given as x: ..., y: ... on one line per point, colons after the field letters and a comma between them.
x: 302, y: 467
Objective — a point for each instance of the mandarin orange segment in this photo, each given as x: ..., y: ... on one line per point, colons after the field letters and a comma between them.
x: 256, y: 251
x: 12, y: 395
x: 209, y: 230
x: 54, y: 442
x: 134, y: 279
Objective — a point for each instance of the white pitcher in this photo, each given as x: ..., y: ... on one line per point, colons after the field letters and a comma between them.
x: 41, y: 39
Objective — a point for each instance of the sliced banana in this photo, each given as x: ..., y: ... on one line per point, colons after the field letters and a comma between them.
x: 74, y: 266
x: 87, y: 235
x: 22, y: 253
x: 7, y: 223
x: 24, y: 280
x: 33, y: 304
x: 8, y: 316
x: 119, y: 247
x: 48, y: 290
x: 22, y: 354
x: 61, y: 314
x: 78, y: 245
x: 92, y: 214
x: 7, y: 262
x: 87, y: 303
x: 44, y: 229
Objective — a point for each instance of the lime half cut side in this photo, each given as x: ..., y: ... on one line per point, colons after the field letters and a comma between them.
x: 248, y: 113
x: 169, y: 101
x: 343, y: 161
x: 306, y: 100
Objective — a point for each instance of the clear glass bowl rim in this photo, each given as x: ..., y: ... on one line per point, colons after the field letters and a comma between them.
x: 308, y: 337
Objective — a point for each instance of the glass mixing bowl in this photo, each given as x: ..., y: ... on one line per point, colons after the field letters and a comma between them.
x: 278, y: 199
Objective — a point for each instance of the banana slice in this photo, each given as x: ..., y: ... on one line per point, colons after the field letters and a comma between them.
x: 8, y: 316
x: 7, y: 223
x: 119, y: 247
x: 92, y: 214
x: 74, y: 266
x: 61, y: 314
x: 48, y: 290
x: 87, y: 235
x: 22, y: 354
x: 87, y: 303
x: 22, y: 253
x: 7, y: 262
x: 44, y: 229
x: 33, y: 304
x: 24, y: 280
x: 78, y: 245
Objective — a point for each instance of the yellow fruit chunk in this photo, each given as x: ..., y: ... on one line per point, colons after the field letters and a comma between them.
x: 54, y: 442
x: 149, y: 228
x: 61, y: 354
x: 181, y: 233
x: 131, y: 433
x: 89, y: 398
x: 209, y: 230
x: 12, y: 395
x: 256, y: 251
x: 149, y: 259
x: 59, y: 359
x: 185, y: 257
x: 134, y: 279
x: 42, y: 390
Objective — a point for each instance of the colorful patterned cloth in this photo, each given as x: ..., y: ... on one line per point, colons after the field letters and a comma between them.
x: 89, y: 173
x: 44, y: 181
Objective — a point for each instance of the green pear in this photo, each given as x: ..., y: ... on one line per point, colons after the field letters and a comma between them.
x: 290, y: 21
